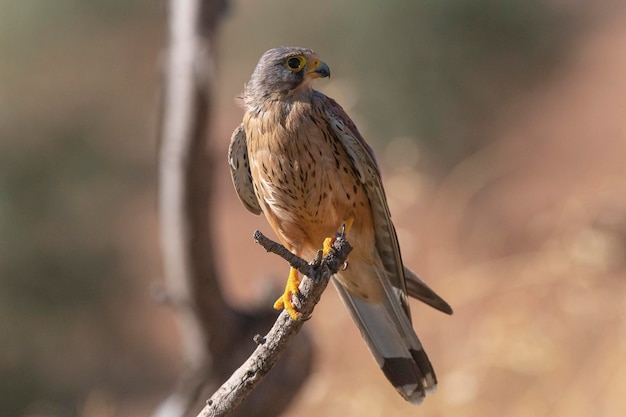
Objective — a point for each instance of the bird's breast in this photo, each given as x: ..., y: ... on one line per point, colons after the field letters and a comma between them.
x: 303, y: 176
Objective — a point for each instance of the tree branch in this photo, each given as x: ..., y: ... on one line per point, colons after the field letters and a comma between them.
x: 270, y: 348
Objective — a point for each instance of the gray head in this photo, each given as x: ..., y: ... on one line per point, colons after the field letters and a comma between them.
x: 283, y: 72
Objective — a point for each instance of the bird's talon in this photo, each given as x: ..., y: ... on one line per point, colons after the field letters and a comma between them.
x: 279, y: 304
x: 345, y: 228
x: 284, y: 301
x: 328, y: 245
x: 291, y: 309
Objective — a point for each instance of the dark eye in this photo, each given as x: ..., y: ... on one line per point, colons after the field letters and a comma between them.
x: 295, y: 63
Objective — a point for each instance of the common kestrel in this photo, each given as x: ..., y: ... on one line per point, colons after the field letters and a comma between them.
x: 299, y: 159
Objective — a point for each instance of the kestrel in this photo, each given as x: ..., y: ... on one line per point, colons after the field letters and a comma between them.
x: 299, y: 159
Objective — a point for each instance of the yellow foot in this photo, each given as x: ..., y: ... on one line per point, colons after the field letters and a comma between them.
x: 328, y: 245
x: 284, y: 302
x: 329, y: 241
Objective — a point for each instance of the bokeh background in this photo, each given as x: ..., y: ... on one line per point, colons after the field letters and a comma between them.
x: 500, y: 126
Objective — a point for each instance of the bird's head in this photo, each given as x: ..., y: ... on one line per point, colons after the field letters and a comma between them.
x: 283, y: 72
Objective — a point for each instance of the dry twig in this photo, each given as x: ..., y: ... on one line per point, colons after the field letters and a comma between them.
x: 269, y: 349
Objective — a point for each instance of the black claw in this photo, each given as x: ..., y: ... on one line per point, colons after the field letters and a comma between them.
x: 307, y: 318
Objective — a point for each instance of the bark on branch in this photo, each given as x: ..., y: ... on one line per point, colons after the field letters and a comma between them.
x: 316, y: 276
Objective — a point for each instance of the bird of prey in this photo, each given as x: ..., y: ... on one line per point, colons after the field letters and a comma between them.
x: 299, y: 159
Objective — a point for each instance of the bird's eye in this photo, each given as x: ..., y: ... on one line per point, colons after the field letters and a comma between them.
x: 295, y: 63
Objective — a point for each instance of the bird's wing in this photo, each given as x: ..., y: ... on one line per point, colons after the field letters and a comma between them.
x: 369, y: 175
x: 418, y: 289
x: 240, y: 170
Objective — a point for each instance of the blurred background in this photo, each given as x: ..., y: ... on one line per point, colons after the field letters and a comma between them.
x: 501, y: 132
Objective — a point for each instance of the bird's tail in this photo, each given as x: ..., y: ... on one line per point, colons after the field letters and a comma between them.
x: 392, y: 341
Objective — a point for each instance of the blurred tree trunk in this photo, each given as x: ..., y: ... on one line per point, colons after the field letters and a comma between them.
x: 215, y: 337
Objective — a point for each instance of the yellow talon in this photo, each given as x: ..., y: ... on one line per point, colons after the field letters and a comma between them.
x: 293, y: 282
x: 329, y: 241
x: 284, y: 301
x: 328, y: 245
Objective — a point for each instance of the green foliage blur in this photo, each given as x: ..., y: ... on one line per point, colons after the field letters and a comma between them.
x: 79, y: 86
x: 450, y: 63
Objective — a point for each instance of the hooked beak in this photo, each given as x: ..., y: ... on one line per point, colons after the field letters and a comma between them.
x: 318, y: 69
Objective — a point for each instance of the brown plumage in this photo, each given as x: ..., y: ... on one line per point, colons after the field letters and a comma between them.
x: 299, y: 159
